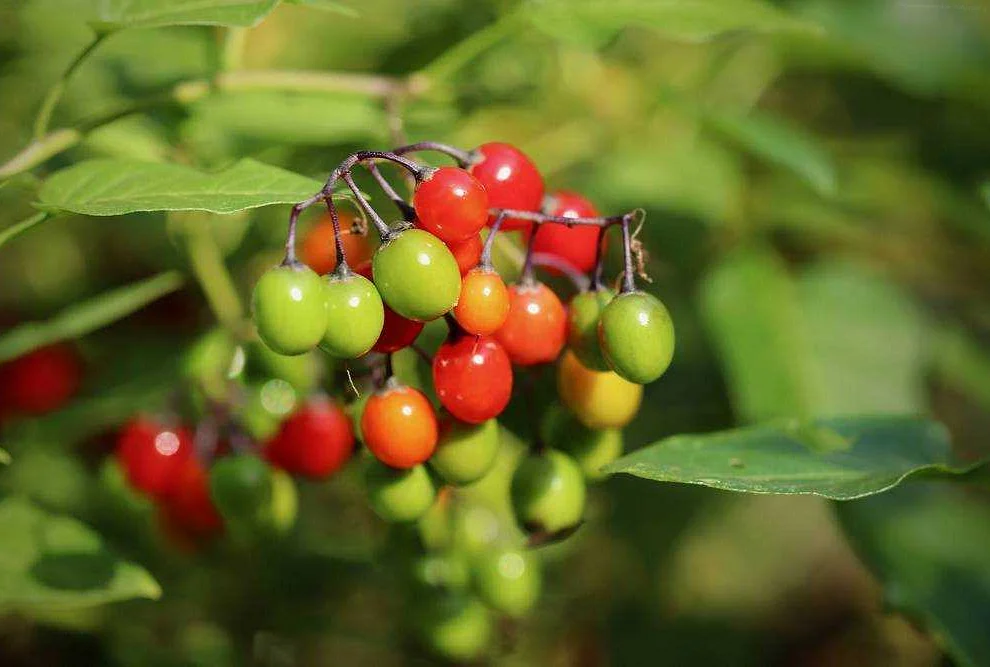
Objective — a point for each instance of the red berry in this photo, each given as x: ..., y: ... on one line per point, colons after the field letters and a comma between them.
x: 451, y: 204
x: 397, y: 331
x: 467, y: 253
x: 472, y: 376
x: 152, y: 454
x: 40, y: 381
x: 399, y: 426
x: 536, y: 328
x: 320, y: 252
x: 577, y: 245
x: 315, y: 441
x: 187, y: 507
x: 511, y: 180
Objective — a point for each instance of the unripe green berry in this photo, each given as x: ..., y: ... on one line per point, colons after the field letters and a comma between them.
x: 289, y: 308
x: 241, y: 487
x: 583, y: 315
x: 637, y: 336
x: 456, y: 627
x: 440, y: 571
x: 508, y: 580
x: 465, y: 452
x: 548, y: 492
x: 417, y: 275
x: 399, y: 495
x: 284, y: 507
x: 590, y: 448
x: 355, y: 316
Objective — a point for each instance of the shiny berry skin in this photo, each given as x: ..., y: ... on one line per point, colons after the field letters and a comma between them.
x: 511, y: 180
x: 592, y: 449
x: 315, y: 441
x: 577, y: 245
x: 456, y: 627
x: 508, y: 580
x: 451, y: 204
x: 355, y: 316
x: 465, y: 452
x: 417, y: 275
x: 467, y: 253
x: 637, y: 336
x: 599, y: 399
x: 472, y: 376
x: 583, y: 314
x: 241, y: 487
x: 319, y: 251
x: 289, y: 308
x: 187, y: 506
x: 548, y: 492
x: 484, y: 302
x: 397, y: 495
x: 399, y: 426
x: 397, y: 331
x: 40, y: 381
x: 535, y: 330
x: 151, y: 454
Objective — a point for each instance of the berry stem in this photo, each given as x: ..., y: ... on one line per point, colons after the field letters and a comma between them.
x: 540, y: 218
x: 407, y: 211
x: 383, y: 231
x: 598, y: 273
x: 338, y: 242
x: 463, y: 158
x: 527, y: 270
x: 546, y: 259
x: 486, y: 251
x: 629, y: 275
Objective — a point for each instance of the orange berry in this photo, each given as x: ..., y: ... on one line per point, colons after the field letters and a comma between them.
x: 484, y: 302
x: 319, y: 251
x: 399, y: 426
x: 535, y: 330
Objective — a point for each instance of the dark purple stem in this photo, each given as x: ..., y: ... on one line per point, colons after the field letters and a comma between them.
x: 463, y: 158
x: 383, y: 231
x: 407, y: 211
x: 486, y: 251
x: 598, y: 273
x: 540, y: 218
x: 342, y: 269
x: 527, y: 270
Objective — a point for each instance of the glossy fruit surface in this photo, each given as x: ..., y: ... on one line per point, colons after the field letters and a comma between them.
x: 315, y: 441
x: 510, y: 178
x: 399, y: 426
x: 151, y: 454
x: 397, y: 331
x: 548, y: 492
x: 456, y: 627
x: 416, y: 275
x: 467, y: 253
x: 40, y: 381
x: 451, y: 204
x: 577, y: 245
x: 484, y: 302
x: 188, y: 506
x: 637, y: 336
x: 472, y: 376
x: 590, y: 448
x: 599, y: 399
x: 399, y: 495
x: 289, y: 308
x: 241, y: 487
x: 355, y: 316
x: 465, y: 452
x: 508, y: 580
x: 535, y: 329
x: 319, y: 251
x: 583, y: 315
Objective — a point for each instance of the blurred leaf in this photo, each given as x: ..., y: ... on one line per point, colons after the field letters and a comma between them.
x: 50, y: 561
x: 80, y: 319
x: 4, y: 457
x: 109, y: 15
x: 839, y: 458
x: 961, y: 362
x: 116, y: 187
x: 327, y: 6
x: 928, y: 546
x: 19, y: 228
x: 596, y: 21
x: 780, y: 143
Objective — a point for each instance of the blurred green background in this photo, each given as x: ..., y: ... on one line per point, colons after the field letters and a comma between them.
x: 817, y: 184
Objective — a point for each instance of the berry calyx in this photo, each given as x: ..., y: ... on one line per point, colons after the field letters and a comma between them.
x: 355, y: 315
x: 289, y: 308
x: 577, y: 245
x: 319, y: 251
x: 592, y: 449
x: 315, y: 441
x: 397, y: 331
x: 484, y: 302
x: 473, y: 378
x: 399, y: 495
x: 599, y: 399
x: 535, y: 330
x: 399, y: 426
x: 583, y: 315
x: 151, y: 454
x: 417, y: 275
x: 40, y: 381
x: 548, y: 492
x: 637, y: 336
x: 510, y: 178
x: 465, y: 452
x: 508, y: 580
x: 451, y: 204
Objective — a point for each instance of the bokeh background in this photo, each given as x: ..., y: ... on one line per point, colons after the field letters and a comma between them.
x: 815, y: 174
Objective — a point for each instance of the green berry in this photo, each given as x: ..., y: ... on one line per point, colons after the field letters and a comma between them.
x: 637, y: 336
x: 284, y: 507
x: 548, y: 492
x: 301, y: 371
x: 399, y: 495
x: 465, y: 452
x: 508, y: 580
x: 289, y: 306
x: 456, y: 627
x: 440, y: 571
x: 417, y: 275
x: 592, y: 449
x: 355, y: 316
x: 241, y: 487
x: 210, y: 361
x: 583, y: 316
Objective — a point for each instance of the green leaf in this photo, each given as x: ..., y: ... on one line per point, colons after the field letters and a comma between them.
x: 110, y: 15
x: 595, y: 21
x: 116, y: 187
x: 95, y: 313
x: 4, y: 457
x: 960, y: 361
x: 985, y: 190
x: 19, y: 228
x: 928, y: 546
x: 56, y: 562
x: 780, y: 143
x: 837, y: 458
x: 327, y: 6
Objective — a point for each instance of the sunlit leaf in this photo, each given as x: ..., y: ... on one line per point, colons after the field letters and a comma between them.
x: 109, y: 15
x: 327, y: 6
x: 4, y: 457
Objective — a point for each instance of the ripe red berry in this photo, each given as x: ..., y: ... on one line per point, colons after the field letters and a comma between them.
x: 187, y: 507
x: 399, y: 426
x: 315, y: 441
x: 484, y: 302
x: 152, y: 454
x: 510, y: 178
x: 319, y: 251
x: 40, y: 381
x: 577, y: 245
x: 397, y: 332
x: 536, y: 328
x: 451, y: 204
x: 467, y: 253
x: 472, y: 376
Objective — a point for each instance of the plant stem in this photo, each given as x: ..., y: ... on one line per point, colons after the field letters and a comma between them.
x: 486, y: 252
x: 211, y: 273
x: 54, y: 94
x: 463, y: 158
x: 342, y: 269
x: 383, y: 231
x: 629, y: 274
x: 598, y: 273
x: 20, y: 227
x: 407, y: 211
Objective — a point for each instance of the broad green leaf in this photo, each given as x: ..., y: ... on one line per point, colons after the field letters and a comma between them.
x: 110, y: 15
x: 116, y: 187
x: 838, y: 458
x: 327, y: 6
x: 928, y: 546
x: 960, y: 361
x: 83, y: 318
x: 56, y: 562
x: 780, y: 143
